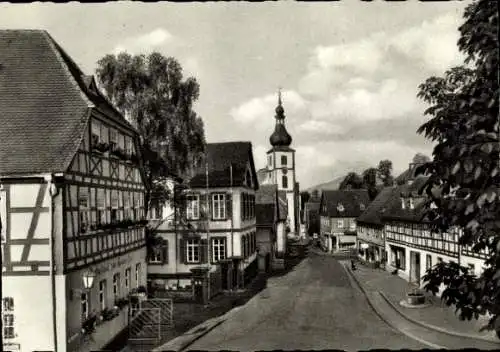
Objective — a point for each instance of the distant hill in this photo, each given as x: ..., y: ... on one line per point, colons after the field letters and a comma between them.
x: 333, y: 184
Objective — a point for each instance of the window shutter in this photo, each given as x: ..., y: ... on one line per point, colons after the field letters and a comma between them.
x: 203, y: 251
x: 242, y: 246
x: 165, y: 252
x: 229, y: 206
x: 182, y: 251
x: 242, y: 206
x: 203, y: 206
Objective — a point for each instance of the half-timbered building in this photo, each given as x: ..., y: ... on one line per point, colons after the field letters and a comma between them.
x: 371, y: 234
x: 72, y: 201
x: 411, y: 245
x: 271, y: 218
x: 216, y: 229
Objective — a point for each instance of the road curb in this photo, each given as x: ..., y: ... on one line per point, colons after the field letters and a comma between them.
x: 381, y: 316
x: 197, y: 337
x: 433, y: 327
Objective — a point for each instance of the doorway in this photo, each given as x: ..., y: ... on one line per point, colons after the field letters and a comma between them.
x: 415, y: 267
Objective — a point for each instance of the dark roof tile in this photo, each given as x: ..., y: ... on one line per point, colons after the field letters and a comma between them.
x: 352, y: 202
x: 45, y: 104
x: 220, y: 159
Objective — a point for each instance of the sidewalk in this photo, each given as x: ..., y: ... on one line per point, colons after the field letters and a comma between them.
x: 437, y: 315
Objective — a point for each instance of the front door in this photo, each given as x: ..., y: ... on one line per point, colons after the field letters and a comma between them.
x: 224, y: 275
x: 415, y: 267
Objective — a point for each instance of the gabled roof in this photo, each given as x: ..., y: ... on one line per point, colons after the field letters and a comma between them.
x: 395, y: 210
x: 45, y: 104
x: 220, y: 159
x: 352, y: 202
x: 373, y: 213
x: 282, y: 205
x: 267, y: 194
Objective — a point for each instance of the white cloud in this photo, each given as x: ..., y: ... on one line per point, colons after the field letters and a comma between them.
x: 259, y: 156
x: 320, y: 126
x: 435, y: 43
x: 145, y: 42
x: 263, y: 107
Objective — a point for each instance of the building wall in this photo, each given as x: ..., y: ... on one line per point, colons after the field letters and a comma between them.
x: 281, y: 238
x: 371, y: 234
x: 33, y: 320
x: 104, y: 271
x: 25, y: 211
x: 264, y: 240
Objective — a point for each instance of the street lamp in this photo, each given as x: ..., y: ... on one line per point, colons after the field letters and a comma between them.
x: 88, y: 277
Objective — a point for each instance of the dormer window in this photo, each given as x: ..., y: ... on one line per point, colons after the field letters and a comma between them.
x: 412, y: 205
x: 340, y: 207
x: 362, y: 207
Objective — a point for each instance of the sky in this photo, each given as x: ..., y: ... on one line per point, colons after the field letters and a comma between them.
x: 349, y: 71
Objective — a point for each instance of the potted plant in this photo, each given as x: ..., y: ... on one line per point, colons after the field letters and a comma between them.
x: 88, y: 326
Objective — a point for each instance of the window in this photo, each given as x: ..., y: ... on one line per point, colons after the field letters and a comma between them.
x: 101, y: 206
x: 218, y: 249
x: 83, y: 203
x: 113, y: 139
x: 352, y: 225
x: 96, y: 133
x: 362, y: 207
x: 193, y: 251
x: 155, y: 256
x: 193, y: 207
x: 411, y: 203
x: 128, y: 145
x: 428, y: 262
x: 116, y: 285
x: 283, y: 160
x: 340, y: 224
x: 114, y: 205
x: 102, y: 294
x: 85, y: 305
x: 402, y: 203
x: 284, y: 181
x: 269, y: 160
x: 471, y: 269
x: 127, y: 279
x: 8, y: 318
x: 137, y: 274
x: 218, y: 206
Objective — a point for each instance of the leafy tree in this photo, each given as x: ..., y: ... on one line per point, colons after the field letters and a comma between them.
x: 151, y: 93
x: 315, y: 194
x: 370, y: 182
x: 384, y: 171
x: 351, y: 181
x: 465, y: 166
x: 420, y: 158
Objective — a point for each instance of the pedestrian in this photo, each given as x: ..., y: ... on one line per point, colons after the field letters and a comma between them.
x: 353, y: 265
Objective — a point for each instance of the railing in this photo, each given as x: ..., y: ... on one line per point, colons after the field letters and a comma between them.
x: 145, y: 325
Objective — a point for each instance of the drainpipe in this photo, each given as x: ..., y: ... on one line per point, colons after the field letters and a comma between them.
x: 53, y: 191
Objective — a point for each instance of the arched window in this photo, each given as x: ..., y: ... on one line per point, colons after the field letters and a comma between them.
x: 284, y: 181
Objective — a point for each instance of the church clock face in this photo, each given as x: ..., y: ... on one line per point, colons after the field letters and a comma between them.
x: 285, y: 171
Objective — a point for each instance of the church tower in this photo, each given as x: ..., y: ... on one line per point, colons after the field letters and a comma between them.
x: 281, y: 166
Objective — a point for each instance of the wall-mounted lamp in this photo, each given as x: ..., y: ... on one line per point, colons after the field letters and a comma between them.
x: 88, y: 277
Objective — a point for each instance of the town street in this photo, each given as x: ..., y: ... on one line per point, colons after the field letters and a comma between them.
x: 313, y: 307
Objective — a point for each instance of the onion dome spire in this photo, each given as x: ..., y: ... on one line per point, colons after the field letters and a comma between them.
x: 280, y: 136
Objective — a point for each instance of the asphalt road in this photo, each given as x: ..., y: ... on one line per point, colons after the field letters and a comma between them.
x: 313, y: 307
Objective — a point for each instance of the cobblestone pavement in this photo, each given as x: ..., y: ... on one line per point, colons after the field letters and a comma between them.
x: 315, y: 306
x: 437, y: 314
